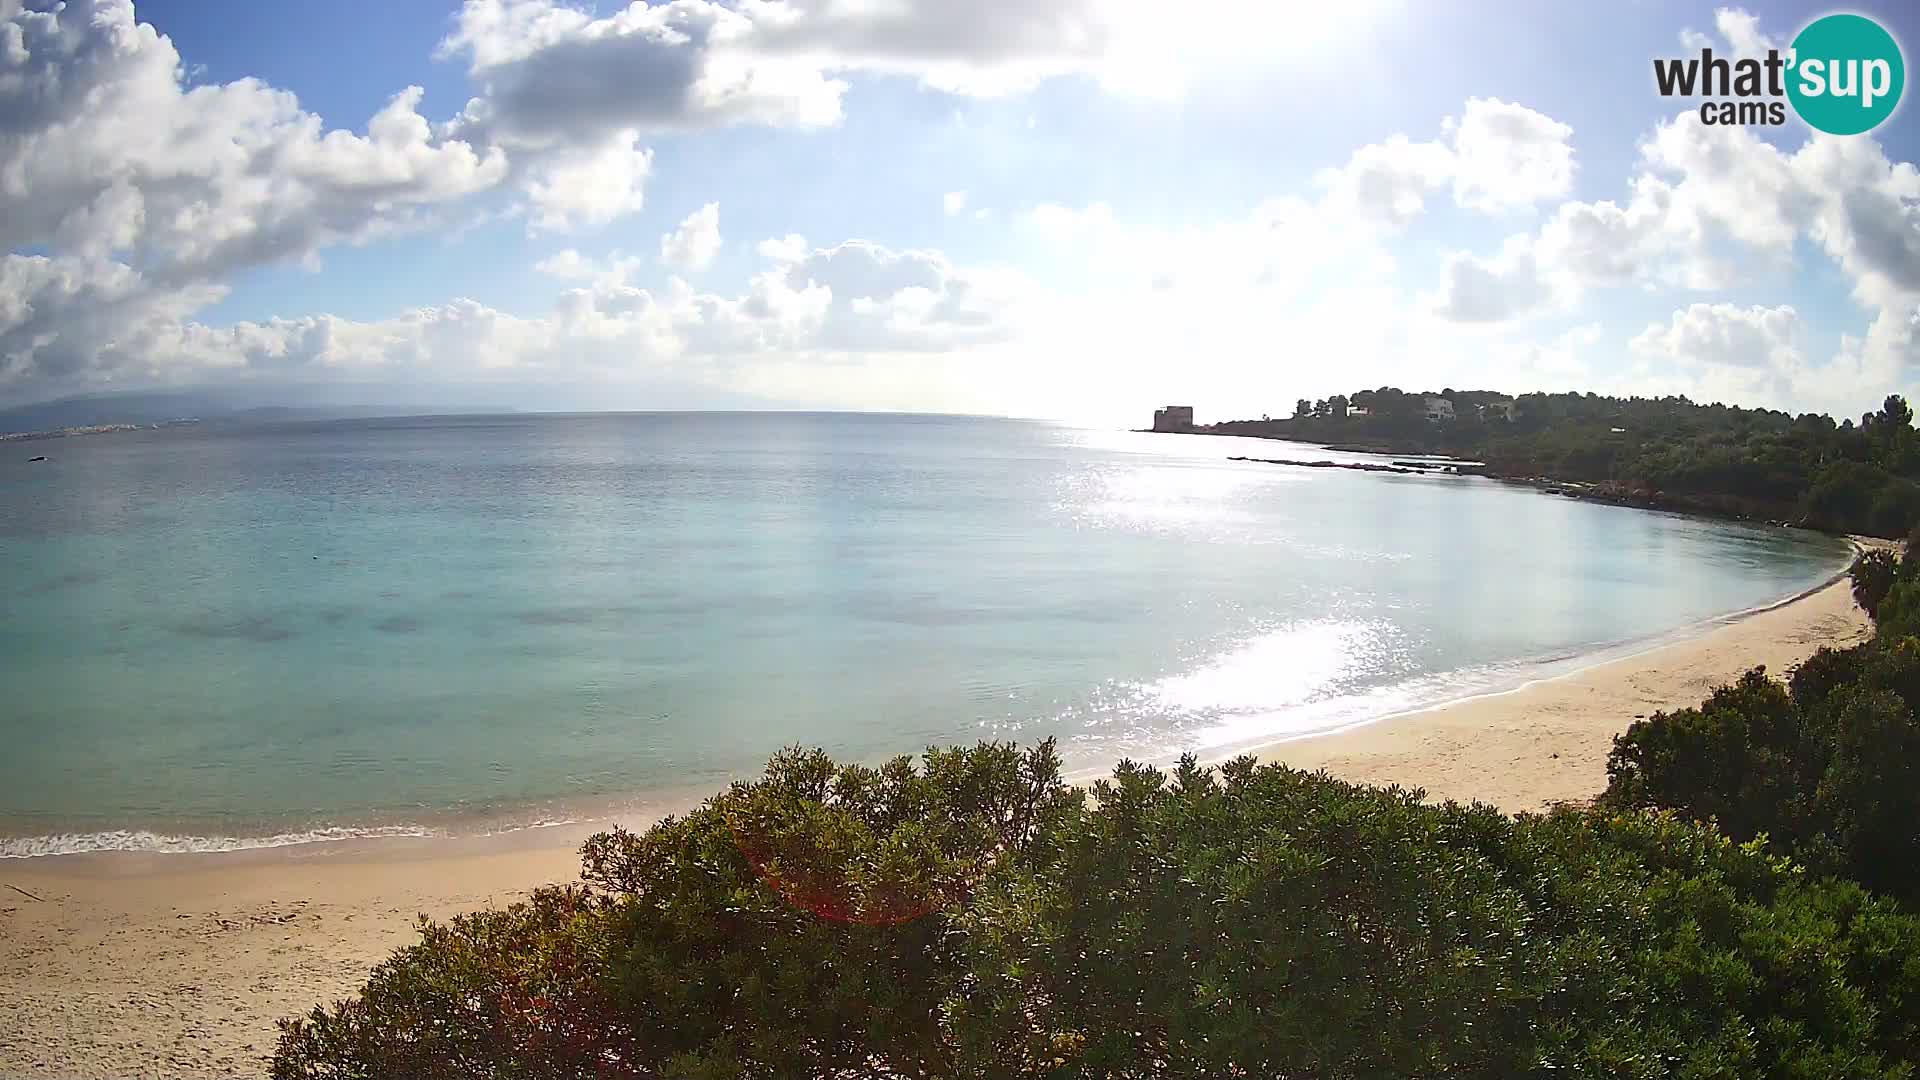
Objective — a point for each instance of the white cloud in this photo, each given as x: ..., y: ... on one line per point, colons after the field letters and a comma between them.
x: 1715, y: 206
x: 1741, y: 29
x: 784, y: 249
x: 151, y: 196
x: 1723, y: 335
x: 549, y: 71
x: 905, y: 300
x: 567, y: 263
x: 1389, y: 181
x: 103, y: 151
x: 1724, y: 351
x: 1496, y: 157
x: 695, y: 243
x: 552, y: 74
x: 589, y: 186
x: 1510, y: 284
x: 71, y: 316
x: 1508, y: 157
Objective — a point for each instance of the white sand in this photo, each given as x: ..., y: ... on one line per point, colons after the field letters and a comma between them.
x: 178, y: 965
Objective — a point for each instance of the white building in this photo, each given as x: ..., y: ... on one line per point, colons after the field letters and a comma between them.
x: 1439, y: 409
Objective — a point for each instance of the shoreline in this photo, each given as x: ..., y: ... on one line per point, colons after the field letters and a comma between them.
x: 1545, y: 742
x: 1574, y: 665
x: 116, y: 964
x: 1590, y: 491
x: 517, y: 825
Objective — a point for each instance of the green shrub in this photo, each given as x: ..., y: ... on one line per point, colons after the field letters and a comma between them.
x: 973, y: 917
x: 1827, y: 768
x: 1899, y: 612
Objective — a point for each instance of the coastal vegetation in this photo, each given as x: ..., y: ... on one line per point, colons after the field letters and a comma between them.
x: 1825, y: 768
x: 1666, y: 452
x: 971, y: 915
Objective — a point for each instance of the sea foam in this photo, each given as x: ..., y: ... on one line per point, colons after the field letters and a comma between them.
x: 142, y: 840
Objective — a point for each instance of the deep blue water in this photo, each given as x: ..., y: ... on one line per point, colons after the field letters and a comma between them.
x: 237, y: 633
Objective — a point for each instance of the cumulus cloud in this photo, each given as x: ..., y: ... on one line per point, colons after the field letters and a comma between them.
x: 569, y: 264
x: 1473, y: 289
x: 551, y: 71
x: 1723, y: 335
x: 1496, y: 157
x: 1740, y: 34
x: 104, y: 152
x: 1389, y: 181
x: 556, y: 74
x: 904, y: 300
x: 1711, y: 207
x: 62, y: 316
x: 1742, y: 352
x: 588, y: 185
x: 1508, y: 157
x: 149, y: 195
x: 129, y: 200
x: 694, y: 244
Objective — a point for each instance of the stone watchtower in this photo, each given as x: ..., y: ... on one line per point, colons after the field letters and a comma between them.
x: 1173, y: 418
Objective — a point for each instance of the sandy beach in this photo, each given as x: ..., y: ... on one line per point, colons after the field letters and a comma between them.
x: 178, y: 965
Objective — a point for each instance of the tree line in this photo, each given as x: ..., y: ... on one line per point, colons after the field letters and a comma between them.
x: 1808, y: 469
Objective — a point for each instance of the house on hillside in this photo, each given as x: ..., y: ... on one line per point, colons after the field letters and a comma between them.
x: 1439, y: 409
x: 1173, y: 418
x: 1497, y: 410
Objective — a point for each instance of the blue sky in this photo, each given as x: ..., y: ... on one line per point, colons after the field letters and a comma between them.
x: 1220, y: 201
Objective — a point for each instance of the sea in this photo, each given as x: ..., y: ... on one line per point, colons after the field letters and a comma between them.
x: 221, y: 637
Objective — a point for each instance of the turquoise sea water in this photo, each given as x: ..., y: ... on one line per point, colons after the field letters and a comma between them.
x: 221, y: 637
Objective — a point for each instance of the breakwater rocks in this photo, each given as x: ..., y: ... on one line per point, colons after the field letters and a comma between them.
x: 1413, y: 468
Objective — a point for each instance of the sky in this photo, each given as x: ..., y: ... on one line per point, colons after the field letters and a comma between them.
x: 1076, y: 209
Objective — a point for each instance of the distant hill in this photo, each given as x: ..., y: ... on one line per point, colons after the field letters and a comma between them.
x: 160, y: 406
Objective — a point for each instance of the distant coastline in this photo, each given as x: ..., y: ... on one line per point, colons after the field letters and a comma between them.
x: 90, y: 429
x: 1671, y: 453
x: 1448, y: 465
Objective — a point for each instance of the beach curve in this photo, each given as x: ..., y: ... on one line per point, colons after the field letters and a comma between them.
x: 117, y: 964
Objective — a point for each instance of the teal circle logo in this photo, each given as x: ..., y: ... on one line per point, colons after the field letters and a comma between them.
x: 1846, y: 74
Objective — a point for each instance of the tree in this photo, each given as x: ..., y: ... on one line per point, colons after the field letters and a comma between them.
x: 1895, y: 414
x: 974, y: 917
x: 1302, y: 408
x: 1826, y: 769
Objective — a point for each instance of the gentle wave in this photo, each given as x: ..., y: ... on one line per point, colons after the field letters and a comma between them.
x: 142, y: 840
x: 1231, y: 703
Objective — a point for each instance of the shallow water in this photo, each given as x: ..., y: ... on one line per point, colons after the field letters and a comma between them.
x: 235, y: 636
